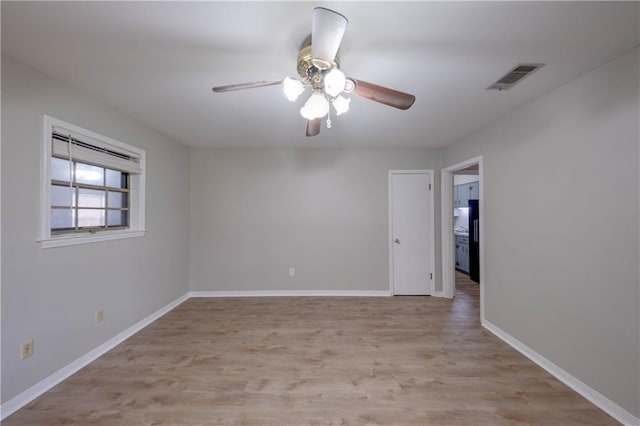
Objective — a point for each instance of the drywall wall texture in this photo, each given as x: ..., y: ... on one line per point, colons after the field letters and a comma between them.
x: 561, y: 226
x: 51, y: 295
x: 257, y: 212
x: 462, y: 179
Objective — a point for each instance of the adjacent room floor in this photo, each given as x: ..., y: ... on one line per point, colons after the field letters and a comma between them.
x: 314, y: 360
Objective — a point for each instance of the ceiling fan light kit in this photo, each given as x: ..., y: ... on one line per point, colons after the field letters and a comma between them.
x: 319, y: 69
x: 341, y: 104
x: 326, y: 88
x: 334, y: 82
x: 316, y: 106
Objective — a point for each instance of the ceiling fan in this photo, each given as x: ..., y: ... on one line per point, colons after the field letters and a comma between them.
x: 319, y: 69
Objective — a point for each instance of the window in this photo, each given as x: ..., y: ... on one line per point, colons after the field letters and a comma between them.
x: 92, y: 187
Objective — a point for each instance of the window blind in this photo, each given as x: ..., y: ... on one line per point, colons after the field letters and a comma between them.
x: 92, y: 151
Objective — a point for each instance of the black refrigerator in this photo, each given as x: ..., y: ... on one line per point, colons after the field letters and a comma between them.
x: 474, y: 240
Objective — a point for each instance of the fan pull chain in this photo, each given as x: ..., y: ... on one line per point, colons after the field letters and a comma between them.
x: 329, y: 118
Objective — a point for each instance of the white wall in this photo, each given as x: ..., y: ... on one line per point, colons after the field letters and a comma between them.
x: 257, y: 212
x: 561, y: 276
x: 462, y: 179
x: 51, y: 295
x: 566, y: 284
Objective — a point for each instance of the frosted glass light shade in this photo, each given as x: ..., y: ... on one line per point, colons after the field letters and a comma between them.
x: 316, y: 106
x: 292, y: 88
x: 334, y: 82
x: 341, y: 104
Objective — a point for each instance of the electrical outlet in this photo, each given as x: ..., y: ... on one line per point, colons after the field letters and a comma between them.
x: 292, y: 272
x: 26, y: 349
x: 99, y: 315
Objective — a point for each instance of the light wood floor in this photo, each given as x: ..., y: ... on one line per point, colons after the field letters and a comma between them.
x: 314, y: 361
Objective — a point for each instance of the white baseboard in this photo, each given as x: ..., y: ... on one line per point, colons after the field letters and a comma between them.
x: 291, y: 293
x: 595, y: 397
x: 44, y: 385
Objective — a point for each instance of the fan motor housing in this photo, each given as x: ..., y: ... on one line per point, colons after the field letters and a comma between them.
x: 308, y: 66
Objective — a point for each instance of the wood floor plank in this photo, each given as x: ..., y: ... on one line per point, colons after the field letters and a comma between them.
x: 314, y: 361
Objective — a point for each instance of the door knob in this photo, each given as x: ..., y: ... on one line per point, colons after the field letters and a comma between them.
x: 397, y: 241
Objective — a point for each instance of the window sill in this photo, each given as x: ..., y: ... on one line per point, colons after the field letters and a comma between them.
x: 72, y: 240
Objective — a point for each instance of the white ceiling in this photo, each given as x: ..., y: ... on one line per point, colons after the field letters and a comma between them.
x: 157, y: 62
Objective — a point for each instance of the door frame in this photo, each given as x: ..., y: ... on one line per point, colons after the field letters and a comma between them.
x: 430, y: 225
x: 448, y: 243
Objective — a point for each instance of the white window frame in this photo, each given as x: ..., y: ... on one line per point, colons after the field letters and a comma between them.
x: 137, y: 191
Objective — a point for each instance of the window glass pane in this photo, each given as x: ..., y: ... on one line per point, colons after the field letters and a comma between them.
x: 61, y: 218
x: 90, y: 217
x: 91, y: 197
x: 89, y: 174
x: 117, y: 218
x: 116, y: 179
x: 89, y: 192
x: 61, y: 195
x: 118, y: 199
x: 59, y: 169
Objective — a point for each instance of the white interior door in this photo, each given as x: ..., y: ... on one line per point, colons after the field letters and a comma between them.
x: 411, y: 232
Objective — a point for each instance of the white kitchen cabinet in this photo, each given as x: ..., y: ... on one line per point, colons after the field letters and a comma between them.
x: 460, y: 196
x: 462, y: 253
x: 474, y: 191
x: 463, y: 195
x: 465, y: 192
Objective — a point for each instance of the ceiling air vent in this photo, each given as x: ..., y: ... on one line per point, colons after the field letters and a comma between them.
x: 514, y: 76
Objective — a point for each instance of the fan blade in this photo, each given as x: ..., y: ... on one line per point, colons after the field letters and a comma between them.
x: 327, y: 30
x: 313, y: 127
x: 242, y: 86
x: 384, y: 95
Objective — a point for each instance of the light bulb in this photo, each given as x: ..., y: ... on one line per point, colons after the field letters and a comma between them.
x: 341, y: 104
x: 292, y: 88
x: 334, y: 82
x: 316, y: 106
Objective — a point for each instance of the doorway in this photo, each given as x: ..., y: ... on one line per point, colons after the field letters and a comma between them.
x: 462, y: 227
x: 411, y: 232
x: 466, y: 214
